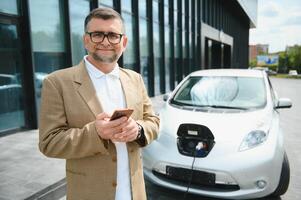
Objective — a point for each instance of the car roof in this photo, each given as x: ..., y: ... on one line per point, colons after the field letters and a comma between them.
x: 229, y: 72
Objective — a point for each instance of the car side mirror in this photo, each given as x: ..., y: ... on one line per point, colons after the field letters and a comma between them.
x: 284, y: 103
x: 166, y: 96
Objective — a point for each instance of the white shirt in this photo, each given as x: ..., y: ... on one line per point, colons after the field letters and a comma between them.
x: 109, y: 92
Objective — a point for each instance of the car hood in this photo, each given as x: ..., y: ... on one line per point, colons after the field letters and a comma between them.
x: 225, y: 126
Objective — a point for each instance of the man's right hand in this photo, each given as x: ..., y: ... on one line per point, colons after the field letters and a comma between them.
x: 105, y: 128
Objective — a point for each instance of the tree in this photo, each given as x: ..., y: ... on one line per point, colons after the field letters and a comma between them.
x: 290, y: 59
x: 253, y: 63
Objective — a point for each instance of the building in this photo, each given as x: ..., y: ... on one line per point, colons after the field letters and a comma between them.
x: 168, y: 39
x: 258, y: 49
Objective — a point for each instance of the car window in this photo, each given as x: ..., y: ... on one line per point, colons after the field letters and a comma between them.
x: 242, y: 92
x: 7, y: 79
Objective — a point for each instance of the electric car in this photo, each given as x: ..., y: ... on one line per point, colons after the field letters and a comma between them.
x: 220, y: 137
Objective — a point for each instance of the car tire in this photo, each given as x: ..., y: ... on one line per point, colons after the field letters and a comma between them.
x: 284, y: 178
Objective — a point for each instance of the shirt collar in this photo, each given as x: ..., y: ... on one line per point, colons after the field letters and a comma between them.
x: 97, y: 73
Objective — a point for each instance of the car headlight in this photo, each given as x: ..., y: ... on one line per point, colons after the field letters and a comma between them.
x: 253, y: 139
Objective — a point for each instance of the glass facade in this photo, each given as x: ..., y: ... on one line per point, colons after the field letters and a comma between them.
x: 48, y: 39
x: 106, y: 3
x: 78, y: 10
x: 167, y: 46
x: 142, y: 8
x: 9, y: 7
x: 11, y: 78
x: 164, y: 45
x: 156, y: 48
x: 129, y: 60
x: 126, y: 5
x: 144, y: 51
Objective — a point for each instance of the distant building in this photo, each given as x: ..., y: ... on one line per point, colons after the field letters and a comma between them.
x: 168, y: 39
x: 258, y: 49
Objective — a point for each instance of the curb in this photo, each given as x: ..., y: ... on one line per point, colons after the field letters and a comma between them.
x: 52, y: 192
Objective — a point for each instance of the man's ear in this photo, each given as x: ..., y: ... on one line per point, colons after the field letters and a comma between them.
x: 85, y: 40
x: 124, y: 42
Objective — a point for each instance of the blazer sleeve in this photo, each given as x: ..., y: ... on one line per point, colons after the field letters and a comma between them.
x: 150, y: 121
x: 58, y: 140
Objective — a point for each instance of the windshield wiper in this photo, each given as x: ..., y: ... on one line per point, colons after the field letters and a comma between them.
x: 221, y: 106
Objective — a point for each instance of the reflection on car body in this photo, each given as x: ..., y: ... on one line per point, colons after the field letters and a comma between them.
x: 39, y: 77
x: 10, y: 93
x: 220, y: 137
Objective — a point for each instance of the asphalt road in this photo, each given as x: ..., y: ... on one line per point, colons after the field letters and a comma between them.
x: 291, y: 125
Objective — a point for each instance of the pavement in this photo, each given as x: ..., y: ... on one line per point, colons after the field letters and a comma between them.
x: 26, y: 174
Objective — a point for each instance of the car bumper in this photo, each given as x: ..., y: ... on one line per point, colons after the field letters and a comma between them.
x: 236, y: 175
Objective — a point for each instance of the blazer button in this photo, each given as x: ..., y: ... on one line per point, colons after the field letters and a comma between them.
x: 114, y: 158
x: 114, y: 184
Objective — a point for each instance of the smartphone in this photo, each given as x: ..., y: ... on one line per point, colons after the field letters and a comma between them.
x: 121, y: 113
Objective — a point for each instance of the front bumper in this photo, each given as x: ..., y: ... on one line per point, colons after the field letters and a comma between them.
x: 236, y: 175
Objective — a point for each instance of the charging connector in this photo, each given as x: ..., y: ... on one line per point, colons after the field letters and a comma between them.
x: 197, y: 148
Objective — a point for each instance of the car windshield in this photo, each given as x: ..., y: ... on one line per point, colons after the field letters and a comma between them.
x: 222, y: 92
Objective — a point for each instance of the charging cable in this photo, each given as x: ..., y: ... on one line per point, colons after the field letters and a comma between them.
x: 198, y: 147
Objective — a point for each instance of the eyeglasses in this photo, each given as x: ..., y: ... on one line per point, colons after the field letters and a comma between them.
x: 98, y: 37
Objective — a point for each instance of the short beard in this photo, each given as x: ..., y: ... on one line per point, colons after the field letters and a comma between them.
x: 105, y: 59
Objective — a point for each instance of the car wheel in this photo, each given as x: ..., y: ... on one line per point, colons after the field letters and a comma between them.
x: 284, y: 178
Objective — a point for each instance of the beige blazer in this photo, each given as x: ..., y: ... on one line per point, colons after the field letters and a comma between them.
x: 69, y: 107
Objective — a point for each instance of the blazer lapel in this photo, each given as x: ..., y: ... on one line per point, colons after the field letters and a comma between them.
x: 86, y: 89
x: 127, y: 89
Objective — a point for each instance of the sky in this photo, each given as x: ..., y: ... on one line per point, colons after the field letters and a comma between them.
x: 278, y: 24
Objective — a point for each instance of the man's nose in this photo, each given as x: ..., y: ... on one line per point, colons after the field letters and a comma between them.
x: 106, y: 40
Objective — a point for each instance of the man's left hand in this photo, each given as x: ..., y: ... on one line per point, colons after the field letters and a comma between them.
x: 129, y: 131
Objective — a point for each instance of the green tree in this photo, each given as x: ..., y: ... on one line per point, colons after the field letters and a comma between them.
x: 290, y: 59
x: 253, y: 63
x: 282, y: 62
x: 294, y: 58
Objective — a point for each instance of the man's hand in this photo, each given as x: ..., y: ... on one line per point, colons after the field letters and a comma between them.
x: 107, y: 129
x: 129, y: 131
x: 119, y: 130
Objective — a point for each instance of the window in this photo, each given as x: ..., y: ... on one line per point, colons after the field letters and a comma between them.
x: 48, y: 39
x: 129, y: 54
x: 167, y: 58
x: 79, y: 9
x: 142, y: 8
x: 222, y: 92
x: 11, y: 83
x: 9, y: 7
x: 155, y: 11
x: 167, y: 46
x: 106, y: 3
x: 156, y: 47
x: 144, y: 53
x: 126, y: 5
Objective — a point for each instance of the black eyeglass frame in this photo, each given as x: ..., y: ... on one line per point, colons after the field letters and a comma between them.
x: 106, y: 35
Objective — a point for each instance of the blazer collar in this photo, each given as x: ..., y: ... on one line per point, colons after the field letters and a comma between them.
x: 88, y: 93
x: 86, y: 89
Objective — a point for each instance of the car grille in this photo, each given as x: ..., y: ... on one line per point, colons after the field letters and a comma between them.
x: 200, y: 180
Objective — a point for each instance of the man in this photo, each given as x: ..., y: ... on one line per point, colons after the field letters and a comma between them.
x: 103, y: 156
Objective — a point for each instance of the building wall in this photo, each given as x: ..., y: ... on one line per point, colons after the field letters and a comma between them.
x: 168, y: 39
x: 258, y: 49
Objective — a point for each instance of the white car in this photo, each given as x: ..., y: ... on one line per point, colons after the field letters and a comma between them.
x: 292, y: 72
x: 220, y: 137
